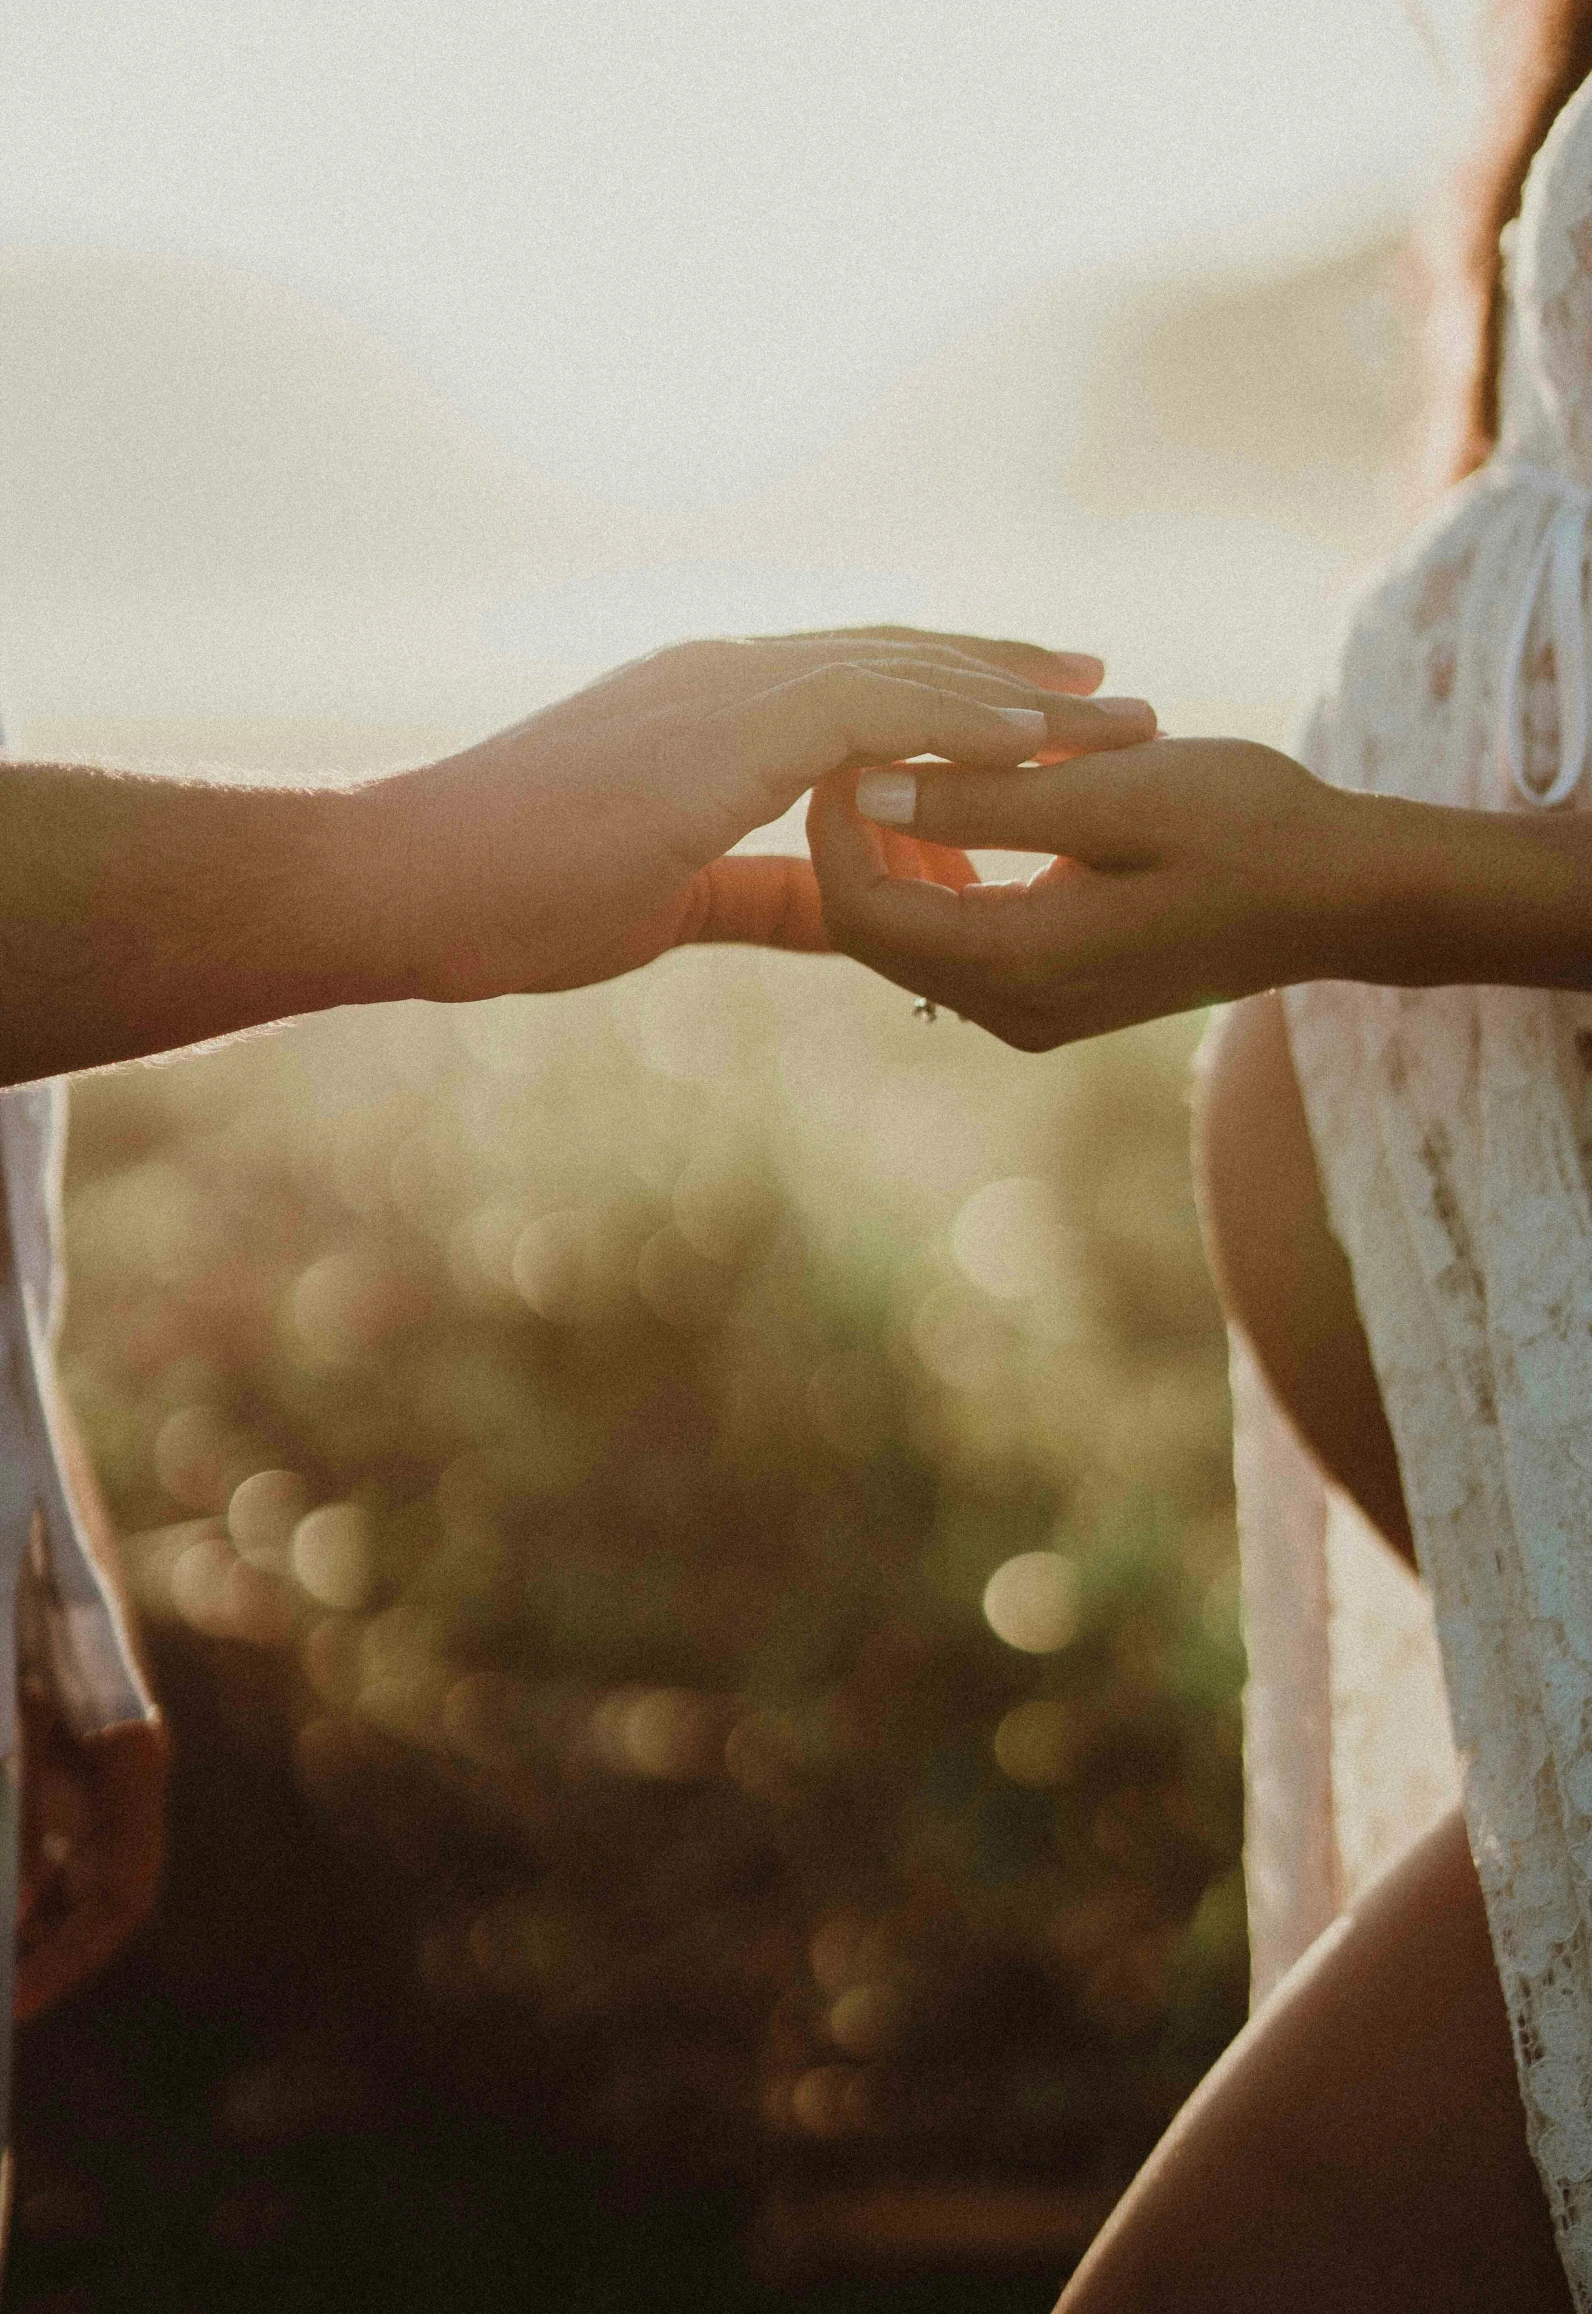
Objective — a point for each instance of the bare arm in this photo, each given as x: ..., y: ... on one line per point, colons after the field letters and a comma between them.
x: 138, y: 913
x: 1499, y: 899
x: 141, y: 913
x: 1189, y: 871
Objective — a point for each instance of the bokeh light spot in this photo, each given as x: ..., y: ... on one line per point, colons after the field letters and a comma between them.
x: 262, y: 1514
x: 1032, y: 1602
x: 866, y: 2019
x: 839, y: 1950
x: 677, y: 1018
x: 830, y: 2101
x: 481, y: 1250
x: 665, y: 1733
x: 486, y: 1716
x: 198, y: 1584
x: 197, y: 1454
x: 723, y: 1212
x: 330, y: 1653
x: 828, y: 1068
x: 1008, y: 1239
x: 403, y: 1679
x: 257, y: 1606
x: 345, y: 1306
x: 678, y: 1285
x: 960, y: 1340
x: 332, y: 1557
x: 922, y: 1133
x: 1031, y: 1743
x: 551, y: 1269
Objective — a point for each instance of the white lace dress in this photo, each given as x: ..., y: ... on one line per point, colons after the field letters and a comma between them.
x: 1454, y: 1133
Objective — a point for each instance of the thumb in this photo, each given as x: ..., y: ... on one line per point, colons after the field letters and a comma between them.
x: 909, y: 858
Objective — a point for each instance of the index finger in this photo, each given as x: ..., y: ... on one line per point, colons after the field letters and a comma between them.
x: 1077, y: 671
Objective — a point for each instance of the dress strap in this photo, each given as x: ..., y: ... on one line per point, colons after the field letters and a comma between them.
x: 1558, y: 560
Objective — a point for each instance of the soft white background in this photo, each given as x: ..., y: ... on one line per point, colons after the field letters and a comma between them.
x: 400, y: 363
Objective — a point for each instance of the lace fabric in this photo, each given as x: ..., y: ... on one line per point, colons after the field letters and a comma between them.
x: 1453, y: 1128
x: 1347, y: 1751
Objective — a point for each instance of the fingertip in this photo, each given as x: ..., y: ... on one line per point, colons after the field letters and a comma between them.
x: 1115, y: 734
x: 1079, y: 672
x: 888, y: 793
x: 1031, y: 724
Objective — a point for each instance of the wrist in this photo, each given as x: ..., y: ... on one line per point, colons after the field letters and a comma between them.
x: 1421, y: 895
x: 417, y: 880
x: 1371, y: 893
x: 349, y: 859
x: 442, y: 830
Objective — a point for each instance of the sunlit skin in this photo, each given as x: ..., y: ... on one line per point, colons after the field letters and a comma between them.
x: 1361, y: 2146
x: 143, y: 913
x: 1190, y: 870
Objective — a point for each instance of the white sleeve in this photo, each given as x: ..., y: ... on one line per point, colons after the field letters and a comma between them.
x: 76, y: 1622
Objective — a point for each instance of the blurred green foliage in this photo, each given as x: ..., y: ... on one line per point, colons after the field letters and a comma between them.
x: 659, y: 1375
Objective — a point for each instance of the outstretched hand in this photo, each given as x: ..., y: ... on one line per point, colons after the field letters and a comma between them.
x: 1183, y: 872
x: 152, y: 912
x: 587, y: 840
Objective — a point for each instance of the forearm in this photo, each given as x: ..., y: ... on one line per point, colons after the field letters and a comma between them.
x: 1428, y: 896
x: 139, y: 913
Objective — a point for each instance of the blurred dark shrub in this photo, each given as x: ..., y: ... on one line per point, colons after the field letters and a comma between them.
x: 730, y: 1490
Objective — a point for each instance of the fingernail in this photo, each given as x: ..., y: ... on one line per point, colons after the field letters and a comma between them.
x: 1137, y: 708
x: 892, y: 796
x: 1030, y: 721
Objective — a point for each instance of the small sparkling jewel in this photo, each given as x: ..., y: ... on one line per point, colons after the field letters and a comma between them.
x: 925, y: 1009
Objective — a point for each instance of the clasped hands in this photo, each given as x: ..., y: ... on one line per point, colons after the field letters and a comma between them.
x: 598, y: 834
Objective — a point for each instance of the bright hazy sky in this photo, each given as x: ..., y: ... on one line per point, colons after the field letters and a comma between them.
x: 667, y: 247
